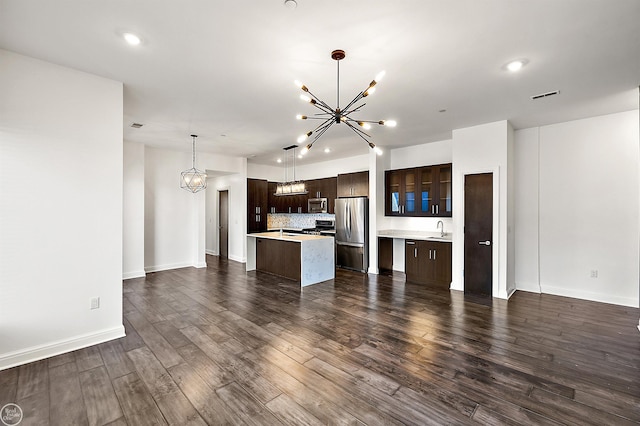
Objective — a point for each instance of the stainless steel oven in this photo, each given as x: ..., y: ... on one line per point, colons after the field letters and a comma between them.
x: 317, y: 205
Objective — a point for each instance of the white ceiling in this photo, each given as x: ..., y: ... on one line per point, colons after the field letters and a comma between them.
x: 225, y: 69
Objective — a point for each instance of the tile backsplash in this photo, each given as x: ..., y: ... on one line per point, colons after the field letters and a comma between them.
x: 295, y: 220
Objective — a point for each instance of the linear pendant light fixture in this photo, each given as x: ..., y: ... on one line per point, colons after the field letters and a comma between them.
x: 193, y: 180
x: 290, y: 187
x: 330, y: 116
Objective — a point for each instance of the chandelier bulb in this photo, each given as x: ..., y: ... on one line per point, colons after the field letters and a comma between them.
x: 388, y: 123
x: 305, y: 149
x: 379, y: 76
x: 364, y: 125
x: 369, y: 91
x: 304, y: 137
x: 301, y: 117
x: 308, y: 99
x: 375, y: 148
x: 301, y: 86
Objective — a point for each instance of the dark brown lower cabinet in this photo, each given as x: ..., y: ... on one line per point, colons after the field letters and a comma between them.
x: 385, y: 254
x: 278, y: 257
x: 428, y: 262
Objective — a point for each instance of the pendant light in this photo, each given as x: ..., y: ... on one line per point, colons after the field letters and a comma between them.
x: 290, y: 187
x: 193, y: 180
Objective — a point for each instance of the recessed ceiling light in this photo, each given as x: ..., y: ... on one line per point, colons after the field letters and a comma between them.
x: 132, y: 39
x: 290, y: 4
x: 327, y: 150
x: 279, y: 160
x: 516, y: 65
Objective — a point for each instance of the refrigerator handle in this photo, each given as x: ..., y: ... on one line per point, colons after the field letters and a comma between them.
x: 348, y: 221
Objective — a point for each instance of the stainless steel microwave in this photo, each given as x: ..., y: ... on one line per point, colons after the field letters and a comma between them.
x: 317, y: 205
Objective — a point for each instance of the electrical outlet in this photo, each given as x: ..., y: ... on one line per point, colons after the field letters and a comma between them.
x: 594, y: 273
x: 95, y: 303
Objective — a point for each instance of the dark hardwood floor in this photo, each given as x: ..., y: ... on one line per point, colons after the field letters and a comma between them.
x: 222, y: 346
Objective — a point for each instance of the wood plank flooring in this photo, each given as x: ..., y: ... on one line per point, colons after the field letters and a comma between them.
x: 222, y: 346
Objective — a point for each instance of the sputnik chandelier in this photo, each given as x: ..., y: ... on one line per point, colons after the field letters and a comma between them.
x: 330, y: 116
x: 193, y: 180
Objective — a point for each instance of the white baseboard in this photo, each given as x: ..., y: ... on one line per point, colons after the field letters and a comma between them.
x: 238, y: 259
x: 201, y: 265
x: 594, y: 297
x: 133, y: 274
x: 211, y: 252
x: 36, y: 353
x: 158, y: 268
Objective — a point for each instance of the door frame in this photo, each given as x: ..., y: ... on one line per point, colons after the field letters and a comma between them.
x: 496, y: 246
x: 218, y: 190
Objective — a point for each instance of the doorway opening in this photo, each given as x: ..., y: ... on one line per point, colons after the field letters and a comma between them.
x: 223, y: 225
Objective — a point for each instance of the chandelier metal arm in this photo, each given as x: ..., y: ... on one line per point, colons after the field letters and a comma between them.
x: 319, y: 101
x: 353, y: 110
x: 359, y: 132
x: 320, y: 118
x: 324, y: 109
x: 325, y: 126
x: 354, y: 100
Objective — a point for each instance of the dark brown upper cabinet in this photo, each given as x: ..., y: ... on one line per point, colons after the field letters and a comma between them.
x: 419, y: 191
x: 353, y: 184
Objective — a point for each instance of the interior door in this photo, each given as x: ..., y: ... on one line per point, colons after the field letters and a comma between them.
x: 223, y: 227
x: 478, y: 234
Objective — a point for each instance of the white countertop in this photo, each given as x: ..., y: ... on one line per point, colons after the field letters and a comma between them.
x: 275, y: 235
x: 286, y: 229
x: 416, y: 235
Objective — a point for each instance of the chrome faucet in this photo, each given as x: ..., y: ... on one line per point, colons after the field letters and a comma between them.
x: 441, y: 229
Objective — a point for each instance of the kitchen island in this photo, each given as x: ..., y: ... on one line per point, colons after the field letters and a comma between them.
x: 308, y: 259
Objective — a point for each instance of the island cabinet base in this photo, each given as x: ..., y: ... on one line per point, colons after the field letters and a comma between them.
x: 307, y: 259
x: 278, y: 257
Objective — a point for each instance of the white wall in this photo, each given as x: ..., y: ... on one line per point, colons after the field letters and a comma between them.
x: 262, y: 171
x: 483, y: 149
x: 526, y: 177
x: 170, y: 225
x: 133, y: 211
x: 60, y: 210
x: 309, y: 171
x: 175, y: 225
x: 588, y: 208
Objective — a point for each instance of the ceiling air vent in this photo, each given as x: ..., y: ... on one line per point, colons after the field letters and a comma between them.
x: 136, y: 125
x: 544, y: 95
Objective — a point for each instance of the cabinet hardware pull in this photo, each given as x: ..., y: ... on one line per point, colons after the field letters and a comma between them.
x: 434, y: 254
x: 415, y: 252
x: 410, y: 242
x: 484, y: 243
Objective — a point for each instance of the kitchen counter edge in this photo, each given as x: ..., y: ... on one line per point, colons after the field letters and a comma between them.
x: 415, y: 235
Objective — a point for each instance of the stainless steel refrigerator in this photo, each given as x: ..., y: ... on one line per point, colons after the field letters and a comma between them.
x: 352, y: 233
